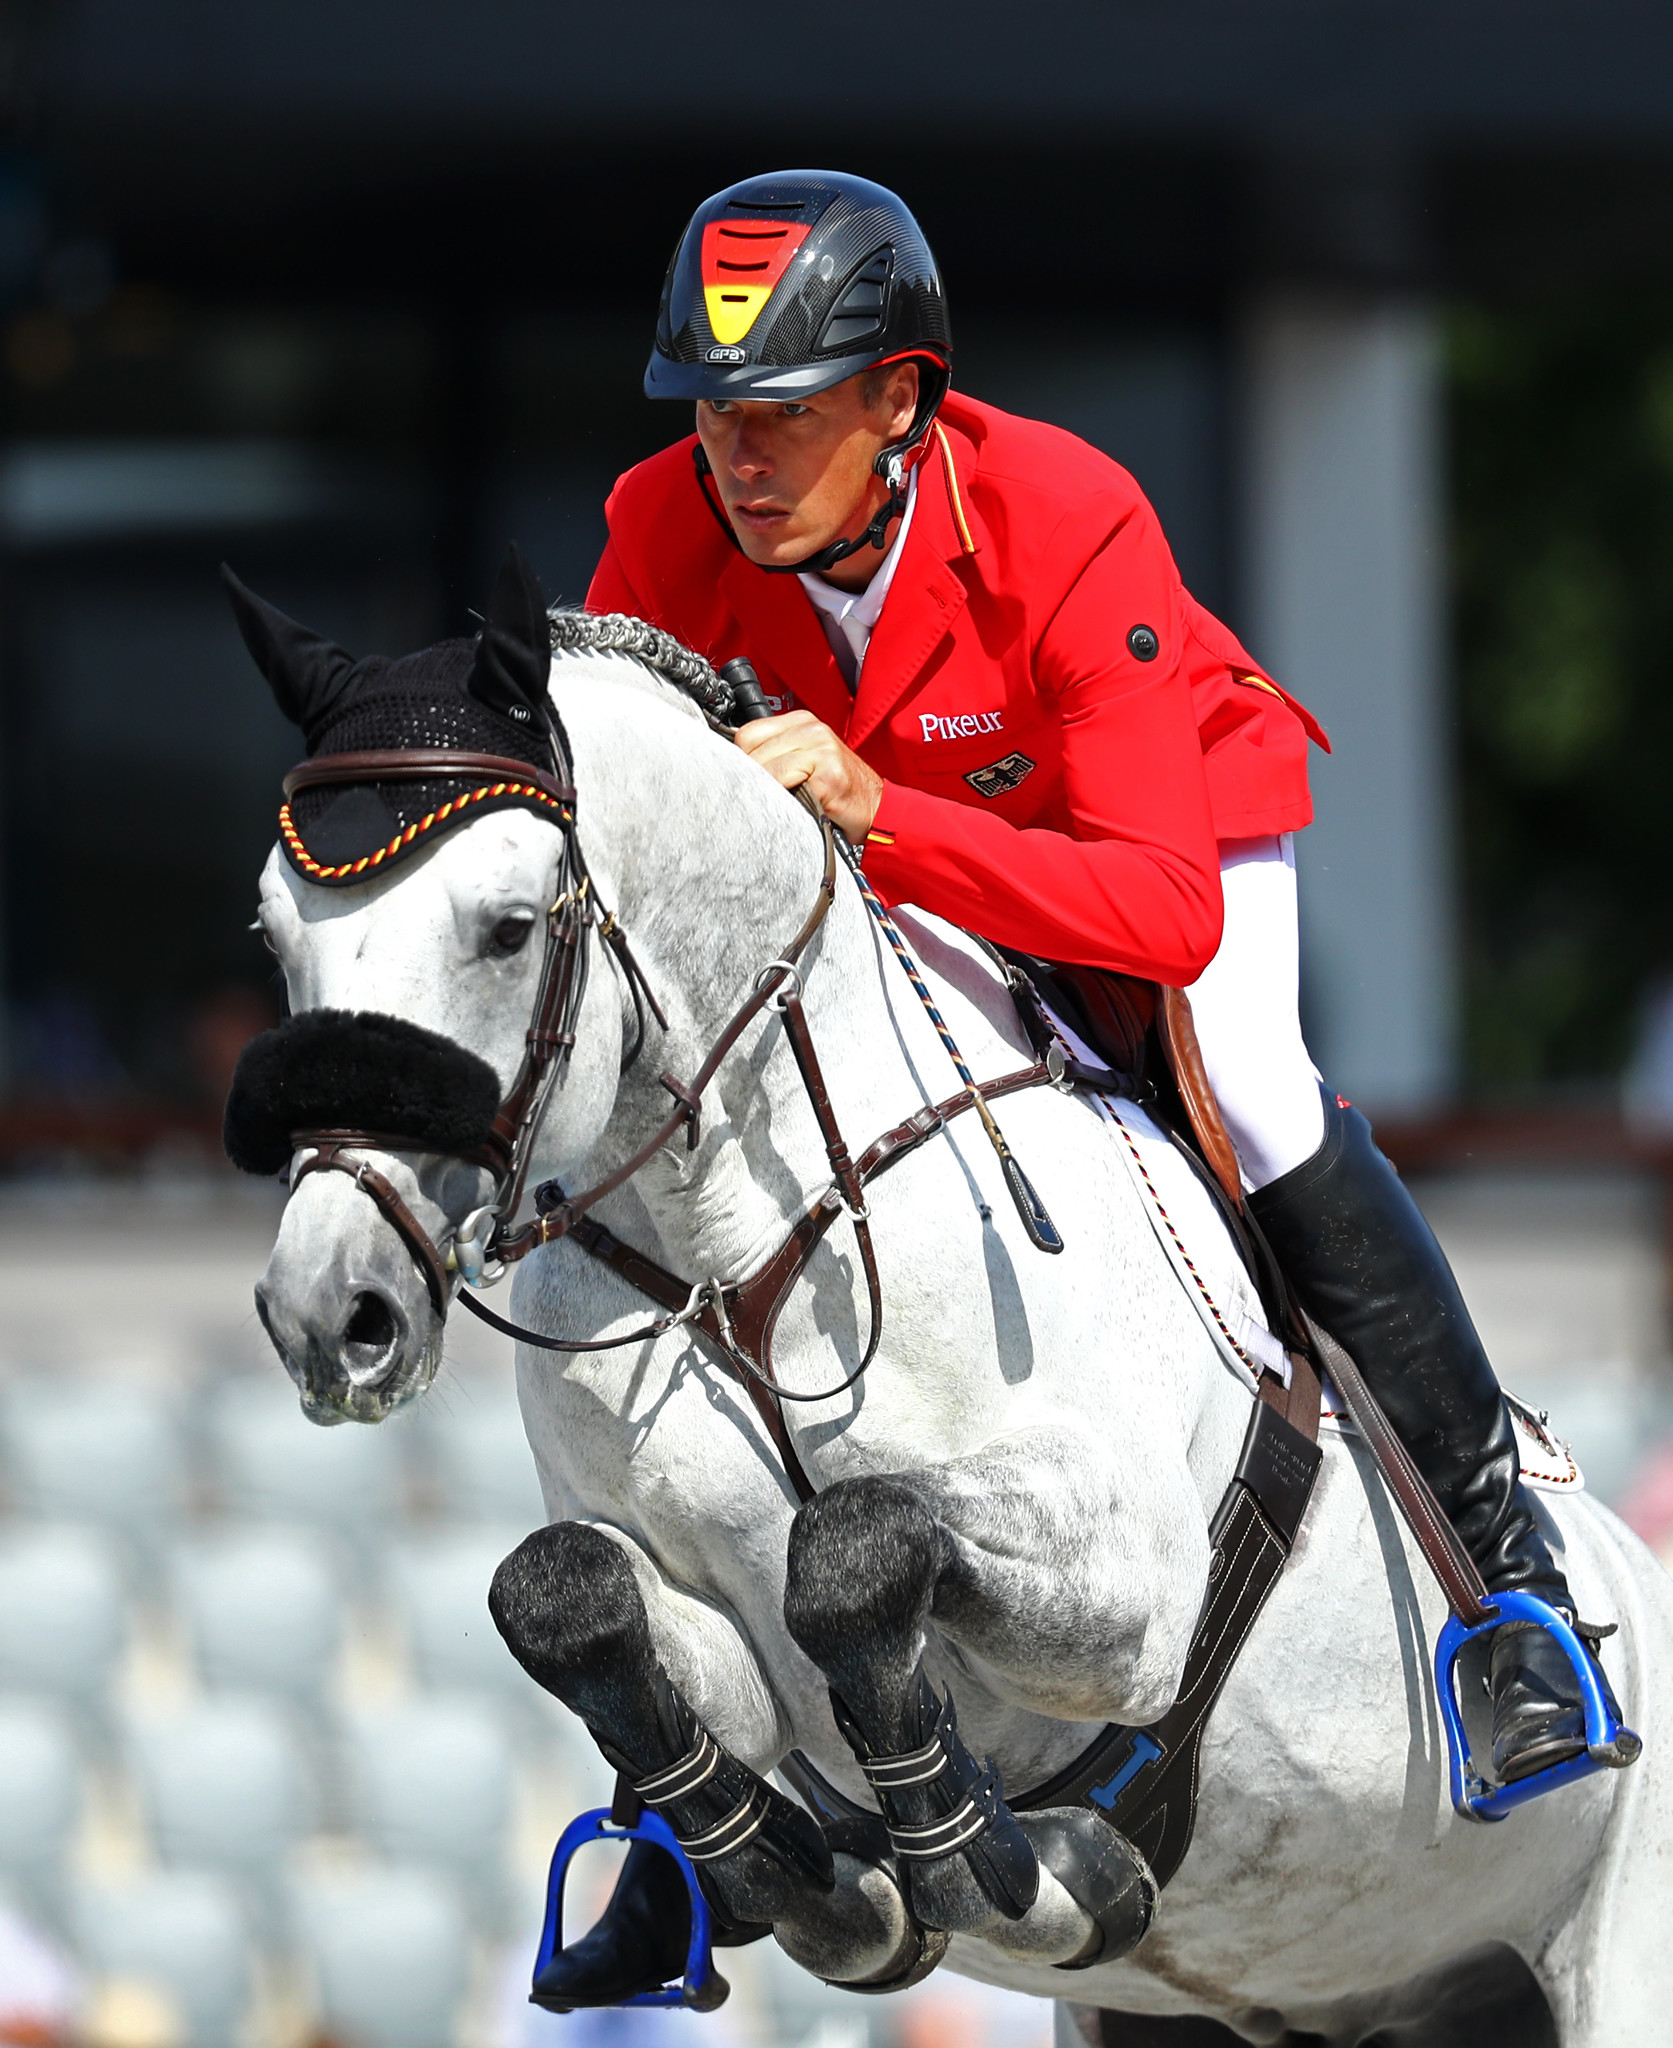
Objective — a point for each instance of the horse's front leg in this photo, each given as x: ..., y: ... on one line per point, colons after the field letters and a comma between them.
x: 576, y: 1606
x: 1075, y: 1600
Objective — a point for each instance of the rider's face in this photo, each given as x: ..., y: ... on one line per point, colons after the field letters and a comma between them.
x: 795, y: 477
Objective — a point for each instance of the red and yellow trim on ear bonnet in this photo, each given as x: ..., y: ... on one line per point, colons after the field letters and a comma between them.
x: 445, y: 813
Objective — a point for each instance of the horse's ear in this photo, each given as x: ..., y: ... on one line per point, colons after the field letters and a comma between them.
x: 514, y: 648
x: 308, y: 673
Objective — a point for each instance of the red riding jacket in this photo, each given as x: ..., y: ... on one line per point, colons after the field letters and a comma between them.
x: 1045, y: 784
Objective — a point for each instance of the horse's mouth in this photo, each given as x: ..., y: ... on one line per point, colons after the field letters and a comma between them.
x: 362, y: 1372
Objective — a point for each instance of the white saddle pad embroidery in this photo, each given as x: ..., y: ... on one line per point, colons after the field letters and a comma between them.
x: 1548, y: 1465
x: 1225, y: 1298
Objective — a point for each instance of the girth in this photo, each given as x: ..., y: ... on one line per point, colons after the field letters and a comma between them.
x: 1143, y: 1781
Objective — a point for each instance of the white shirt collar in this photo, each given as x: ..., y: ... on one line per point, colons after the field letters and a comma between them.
x: 855, y: 612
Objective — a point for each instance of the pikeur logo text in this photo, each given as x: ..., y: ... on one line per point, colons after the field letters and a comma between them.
x: 967, y: 726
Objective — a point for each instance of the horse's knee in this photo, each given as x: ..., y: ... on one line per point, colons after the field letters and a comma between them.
x: 863, y: 1565
x: 571, y: 1612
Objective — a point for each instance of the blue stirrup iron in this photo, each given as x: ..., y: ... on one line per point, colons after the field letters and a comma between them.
x: 1609, y: 1746
x: 700, y: 1988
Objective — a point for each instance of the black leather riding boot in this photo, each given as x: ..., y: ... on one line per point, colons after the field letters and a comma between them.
x: 1366, y: 1266
x: 638, y: 1944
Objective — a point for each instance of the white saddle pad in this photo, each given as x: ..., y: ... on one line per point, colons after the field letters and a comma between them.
x: 1548, y: 1465
x: 1200, y: 1250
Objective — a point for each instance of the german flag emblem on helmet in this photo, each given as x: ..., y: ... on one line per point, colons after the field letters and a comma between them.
x: 742, y: 261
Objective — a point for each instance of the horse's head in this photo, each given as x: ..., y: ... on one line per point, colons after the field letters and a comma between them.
x: 417, y: 906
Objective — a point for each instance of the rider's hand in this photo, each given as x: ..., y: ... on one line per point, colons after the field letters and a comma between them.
x: 795, y: 748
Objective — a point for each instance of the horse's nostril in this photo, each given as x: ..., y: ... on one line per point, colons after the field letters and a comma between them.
x: 371, y: 1325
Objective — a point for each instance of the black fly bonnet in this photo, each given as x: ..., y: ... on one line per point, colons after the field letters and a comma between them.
x: 400, y: 752
x: 483, y: 697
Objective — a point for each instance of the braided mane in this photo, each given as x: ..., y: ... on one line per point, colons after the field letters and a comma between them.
x: 619, y: 633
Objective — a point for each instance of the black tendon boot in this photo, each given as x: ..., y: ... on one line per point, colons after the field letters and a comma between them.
x: 716, y: 1807
x: 1355, y: 1247
x: 937, y: 1801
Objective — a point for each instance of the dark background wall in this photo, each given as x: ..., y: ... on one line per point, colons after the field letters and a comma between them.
x: 352, y: 294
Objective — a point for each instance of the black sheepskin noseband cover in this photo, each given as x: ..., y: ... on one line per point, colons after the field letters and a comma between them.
x: 339, y: 1070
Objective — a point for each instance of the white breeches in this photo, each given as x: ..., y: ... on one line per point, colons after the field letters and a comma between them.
x: 1245, y: 1011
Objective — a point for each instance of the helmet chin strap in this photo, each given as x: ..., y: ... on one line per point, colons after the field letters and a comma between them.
x: 890, y: 465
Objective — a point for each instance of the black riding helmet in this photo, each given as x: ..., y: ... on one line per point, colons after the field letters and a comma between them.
x: 785, y: 285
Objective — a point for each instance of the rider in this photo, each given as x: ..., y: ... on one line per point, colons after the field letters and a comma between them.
x: 996, y: 684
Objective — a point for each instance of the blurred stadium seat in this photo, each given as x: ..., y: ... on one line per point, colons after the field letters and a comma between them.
x: 262, y: 1610
x: 431, y: 1783
x: 222, y: 1788
x: 62, y: 1624
x: 272, y: 1462
x: 388, y: 1951
x: 438, y: 1584
x: 182, y: 1930
x: 40, y: 1798
x: 478, y: 1455
x: 93, y: 1451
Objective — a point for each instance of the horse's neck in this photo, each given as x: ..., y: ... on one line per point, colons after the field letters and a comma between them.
x: 714, y: 870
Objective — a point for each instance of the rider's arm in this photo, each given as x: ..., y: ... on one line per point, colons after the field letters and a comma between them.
x: 1133, y: 883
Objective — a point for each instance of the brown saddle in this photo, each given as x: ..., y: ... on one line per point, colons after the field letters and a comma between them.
x: 1144, y: 1034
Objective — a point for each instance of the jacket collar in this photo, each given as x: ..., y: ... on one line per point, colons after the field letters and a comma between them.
x: 932, y: 581
x: 782, y: 629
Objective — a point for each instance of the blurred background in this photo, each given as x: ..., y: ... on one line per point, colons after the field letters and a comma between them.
x: 268, y: 1777
x: 1376, y: 300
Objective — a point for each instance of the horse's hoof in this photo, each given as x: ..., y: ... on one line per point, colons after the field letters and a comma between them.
x: 1538, y: 1716
x: 920, y: 1952
x: 1102, y: 1872
x: 919, y: 1948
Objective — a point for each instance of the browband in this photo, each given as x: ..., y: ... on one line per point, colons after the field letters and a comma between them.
x: 419, y: 764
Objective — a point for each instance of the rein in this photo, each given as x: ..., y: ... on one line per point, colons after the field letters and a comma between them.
x: 738, y: 1318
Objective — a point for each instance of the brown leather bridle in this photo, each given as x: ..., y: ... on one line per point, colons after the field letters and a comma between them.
x: 738, y: 1318
x: 551, y: 1032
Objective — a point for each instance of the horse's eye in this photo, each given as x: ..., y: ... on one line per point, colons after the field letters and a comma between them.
x: 510, y: 936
